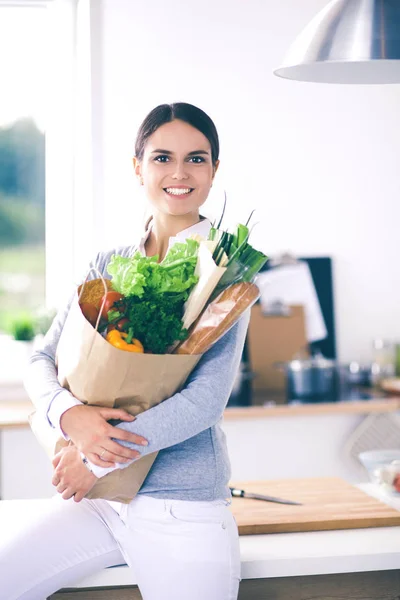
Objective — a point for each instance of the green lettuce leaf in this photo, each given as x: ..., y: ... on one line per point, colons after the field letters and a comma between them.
x: 131, y: 276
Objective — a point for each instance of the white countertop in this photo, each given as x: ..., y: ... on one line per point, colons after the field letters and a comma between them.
x: 296, y: 554
x: 271, y: 555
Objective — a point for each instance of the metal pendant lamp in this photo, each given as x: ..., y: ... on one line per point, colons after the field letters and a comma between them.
x: 349, y: 41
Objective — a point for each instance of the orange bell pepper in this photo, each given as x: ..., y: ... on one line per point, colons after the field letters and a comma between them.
x: 117, y: 338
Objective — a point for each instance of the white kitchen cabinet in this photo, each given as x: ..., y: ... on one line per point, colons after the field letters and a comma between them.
x: 25, y: 471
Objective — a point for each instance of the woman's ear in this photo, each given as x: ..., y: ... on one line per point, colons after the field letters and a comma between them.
x: 137, y: 169
x: 215, y: 167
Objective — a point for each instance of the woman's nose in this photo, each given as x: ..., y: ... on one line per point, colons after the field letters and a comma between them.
x: 180, y: 171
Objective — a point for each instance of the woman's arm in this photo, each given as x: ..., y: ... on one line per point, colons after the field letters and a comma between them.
x: 199, y: 405
x: 41, y: 381
x: 86, y: 426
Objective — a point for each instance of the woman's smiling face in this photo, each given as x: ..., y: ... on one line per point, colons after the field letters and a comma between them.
x: 176, y: 169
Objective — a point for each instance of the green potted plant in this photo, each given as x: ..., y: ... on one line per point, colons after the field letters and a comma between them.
x: 17, y: 346
x: 23, y: 329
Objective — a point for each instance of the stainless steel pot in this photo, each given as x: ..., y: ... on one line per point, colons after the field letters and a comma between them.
x: 311, y: 380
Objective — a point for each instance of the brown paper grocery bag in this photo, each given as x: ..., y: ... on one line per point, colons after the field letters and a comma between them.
x: 97, y: 373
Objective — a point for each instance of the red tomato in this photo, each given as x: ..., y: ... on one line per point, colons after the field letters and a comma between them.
x: 90, y: 312
x: 122, y: 324
x: 110, y: 297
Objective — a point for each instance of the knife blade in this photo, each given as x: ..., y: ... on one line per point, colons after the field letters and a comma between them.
x: 236, y: 493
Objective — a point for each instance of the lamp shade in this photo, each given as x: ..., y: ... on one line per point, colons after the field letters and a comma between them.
x: 349, y: 41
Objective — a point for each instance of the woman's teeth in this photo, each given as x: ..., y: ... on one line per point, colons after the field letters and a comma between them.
x: 178, y: 191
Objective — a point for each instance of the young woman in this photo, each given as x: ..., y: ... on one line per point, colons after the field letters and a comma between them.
x: 178, y: 533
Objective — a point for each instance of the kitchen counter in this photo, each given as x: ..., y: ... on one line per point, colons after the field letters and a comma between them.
x: 378, y: 405
x: 14, y: 414
x: 355, y: 563
x: 15, y: 407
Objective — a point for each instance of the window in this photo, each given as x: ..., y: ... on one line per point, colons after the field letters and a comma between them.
x: 38, y: 135
x: 22, y: 162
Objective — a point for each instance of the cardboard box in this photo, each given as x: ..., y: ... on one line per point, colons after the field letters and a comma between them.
x: 272, y: 339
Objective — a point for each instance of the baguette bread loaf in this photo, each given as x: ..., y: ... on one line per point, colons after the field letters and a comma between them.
x: 218, y: 317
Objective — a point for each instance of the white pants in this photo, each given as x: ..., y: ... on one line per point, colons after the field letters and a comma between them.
x: 178, y: 549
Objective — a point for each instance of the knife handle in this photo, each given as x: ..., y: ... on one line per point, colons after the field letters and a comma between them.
x: 237, y: 493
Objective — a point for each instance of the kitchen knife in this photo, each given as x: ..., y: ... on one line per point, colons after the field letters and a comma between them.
x: 236, y: 493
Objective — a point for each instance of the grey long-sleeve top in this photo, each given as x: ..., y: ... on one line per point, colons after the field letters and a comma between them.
x: 193, y: 462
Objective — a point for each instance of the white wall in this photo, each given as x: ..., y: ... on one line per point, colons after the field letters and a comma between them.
x: 318, y: 162
x: 293, y: 446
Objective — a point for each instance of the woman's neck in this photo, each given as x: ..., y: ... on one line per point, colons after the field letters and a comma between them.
x: 165, y: 226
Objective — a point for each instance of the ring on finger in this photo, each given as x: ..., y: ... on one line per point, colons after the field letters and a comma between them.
x: 101, y: 455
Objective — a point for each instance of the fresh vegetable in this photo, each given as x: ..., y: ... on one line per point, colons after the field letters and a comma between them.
x: 90, y: 312
x: 132, y: 276
x: 243, y: 261
x: 154, y: 294
x: 119, y: 339
x: 111, y: 298
x: 120, y: 324
x: 156, y: 319
x: 149, y: 297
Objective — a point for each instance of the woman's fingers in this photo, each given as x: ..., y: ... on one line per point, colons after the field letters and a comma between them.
x: 61, y: 487
x: 96, y: 460
x: 56, y: 459
x: 67, y: 493
x: 116, y: 413
x: 119, y: 453
x: 126, y: 436
x: 112, y: 453
x: 78, y: 496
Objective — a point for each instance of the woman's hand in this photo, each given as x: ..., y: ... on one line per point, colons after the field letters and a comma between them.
x: 71, y: 477
x: 88, y: 429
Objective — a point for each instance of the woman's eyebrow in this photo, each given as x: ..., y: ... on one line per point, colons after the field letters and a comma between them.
x: 197, y: 152
x: 160, y: 150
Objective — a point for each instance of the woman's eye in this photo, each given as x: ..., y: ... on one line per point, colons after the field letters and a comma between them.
x: 197, y: 159
x: 161, y: 158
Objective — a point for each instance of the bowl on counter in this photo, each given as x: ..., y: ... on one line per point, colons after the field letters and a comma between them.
x: 383, y: 467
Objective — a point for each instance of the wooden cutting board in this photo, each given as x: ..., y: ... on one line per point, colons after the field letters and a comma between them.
x: 327, y: 503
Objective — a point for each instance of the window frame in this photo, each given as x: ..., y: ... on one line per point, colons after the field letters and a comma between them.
x: 74, y: 219
x: 60, y: 143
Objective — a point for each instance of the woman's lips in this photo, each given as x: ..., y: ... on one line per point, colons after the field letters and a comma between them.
x: 178, y: 192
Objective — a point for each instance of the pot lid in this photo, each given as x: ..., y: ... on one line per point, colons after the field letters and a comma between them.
x: 318, y: 361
